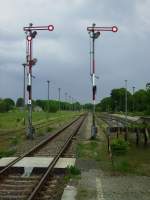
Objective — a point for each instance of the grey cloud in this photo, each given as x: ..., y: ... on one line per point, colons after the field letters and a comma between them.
x: 63, y: 55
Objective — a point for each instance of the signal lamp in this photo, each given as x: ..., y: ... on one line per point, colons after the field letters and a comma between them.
x: 29, y: 38
x: 50, y: 27
x: 114, y: 29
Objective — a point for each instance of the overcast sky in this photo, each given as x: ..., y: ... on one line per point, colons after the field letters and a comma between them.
x: 63, y: 55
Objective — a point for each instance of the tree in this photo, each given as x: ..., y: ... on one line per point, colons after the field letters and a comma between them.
x: 105, y: 105
x: 6, y: 105
x: 45, y: 104
x: 88, y: 106
x: 20, y: 102
x: 3, y: 106
x: 9, y: 103
x: 39, y: 103
x: 118, y: 99
x: 140, y: 100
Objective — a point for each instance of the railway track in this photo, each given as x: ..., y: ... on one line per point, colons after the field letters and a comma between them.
x: 41, y: 185
x: 136, y: 130
x: 112, y: 122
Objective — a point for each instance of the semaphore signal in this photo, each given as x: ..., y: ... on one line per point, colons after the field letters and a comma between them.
x: 94, y: 33
x: 31, y: 32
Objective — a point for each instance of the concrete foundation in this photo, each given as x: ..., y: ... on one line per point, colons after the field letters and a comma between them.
x: 39, y: 162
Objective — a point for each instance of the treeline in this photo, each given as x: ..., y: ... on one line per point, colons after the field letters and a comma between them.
x: 54, y: 105
x: 6, y: 104
x: 38, y: 105
x: 137, y: 102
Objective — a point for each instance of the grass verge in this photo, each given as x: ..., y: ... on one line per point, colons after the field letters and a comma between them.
x: 134, y: 161
x: 12, y: 120
x: 72, y: 173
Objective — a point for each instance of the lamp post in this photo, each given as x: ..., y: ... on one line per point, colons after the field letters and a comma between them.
x: 66, y: 94
x: 24, y: 82
x: 126, y: 109
x: 59, y: 89
x: 66, y: 107
x: 116, y: 106
x: 133, y: 88
x: 31, y: 32
x: 72, y: 104
x: 24, y: 85
x: 70, y: 101
x: 48, y: 82
x: 94, y: 33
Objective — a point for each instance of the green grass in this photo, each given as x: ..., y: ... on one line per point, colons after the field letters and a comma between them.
x: 49, y: 129
x: 72, y: 173
x: 119, y: 146
x: 135, y: 161
x: 86, y: 193
x: 121, y: 166
x: 95, y: 150
x: 92, y: 150
x: 73, y: 170
x: 7, y: 153
x: 15, y: 140
x: 13, y: 120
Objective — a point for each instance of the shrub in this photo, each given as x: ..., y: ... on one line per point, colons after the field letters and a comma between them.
x: 15, y: 140
x: 119, y: 146
x: 3, y: 106
x: 18, y: 119
x: 72, y: 170
x: 7, y: 153
x: 53, y: 107
x: 49, y: 129
x: 122, y: 166
x: 20, y: 102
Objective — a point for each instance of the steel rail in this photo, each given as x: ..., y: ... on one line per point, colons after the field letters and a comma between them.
x: 45, y: 176
x: 43, y: 142
x: 122, y: 120
x: 111, y: 118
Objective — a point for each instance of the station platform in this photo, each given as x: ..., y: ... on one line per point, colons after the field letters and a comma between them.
x: 133, y: 119
x: 37, y: 162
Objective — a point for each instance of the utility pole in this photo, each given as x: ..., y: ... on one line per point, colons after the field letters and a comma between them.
x: 133, y: 98
x: 70, y: 102
x: 24, y: 85
x: 48, y: 82
x: 59, y: 89
x: 31, y: 32
x: 66, y: 107
x: 126, y: 108
x: 94, y: 33
x: 66, y: 96
x: 75, y: 105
